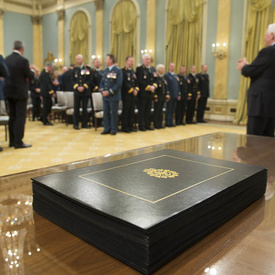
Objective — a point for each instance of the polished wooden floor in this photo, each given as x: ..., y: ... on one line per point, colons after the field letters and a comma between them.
x: 30, y: 244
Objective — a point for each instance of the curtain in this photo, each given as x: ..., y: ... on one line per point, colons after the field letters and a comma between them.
x: 79, y: 36
x: 259, y: 16
x: 184, y: 33
x: 123, y: 31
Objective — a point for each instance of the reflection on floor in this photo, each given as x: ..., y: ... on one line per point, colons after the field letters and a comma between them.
x: 52, y: 145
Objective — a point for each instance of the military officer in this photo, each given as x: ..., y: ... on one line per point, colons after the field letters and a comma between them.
x: 129, y: 92
x: 110, y: 86
x: 146, y: 76
x: 34, y: 87
x: 97, y: 75
x: 181, y: 104
x: 47, y: 91
x: 204, y: 89
x: 174, y: 90
x: 82, y: 91
x: 193, y: 94
x: 160, y: 96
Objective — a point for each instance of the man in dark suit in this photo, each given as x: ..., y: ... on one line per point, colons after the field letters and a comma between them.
x: 192, y: 96
x: 261, y: 93
x: 82, y: 91
x: 16, y: 92
x: 67, y: 80
x: 174, y: 91
x: 129, y: 92
x: 204, y: 89
x: 47, y: 92
x: 146, y: 76
x: 110, y: 86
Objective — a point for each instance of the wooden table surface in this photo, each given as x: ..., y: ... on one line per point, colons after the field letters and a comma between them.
x: 30, y: 244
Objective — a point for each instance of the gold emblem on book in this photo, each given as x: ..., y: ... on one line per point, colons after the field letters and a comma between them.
x: 161, y: 173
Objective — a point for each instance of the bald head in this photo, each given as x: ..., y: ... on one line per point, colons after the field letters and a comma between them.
x: 171, y: 67
x: 79, y: 60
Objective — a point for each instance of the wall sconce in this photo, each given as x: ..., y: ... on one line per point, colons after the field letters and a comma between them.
x: 146, y: 51
x: 95, y: 56
x: 58, y: 63
x: 219, y: 50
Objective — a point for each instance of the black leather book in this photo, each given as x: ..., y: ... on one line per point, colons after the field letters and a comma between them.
x: 147, y: 209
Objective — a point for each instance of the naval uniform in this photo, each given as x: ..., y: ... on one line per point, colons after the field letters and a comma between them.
x: 181, y: 104
x: 35, y: 97
x: 82, y: 77
x: 160, y: 96
x: 111, y: 81
x: 193, y: 93
x: 128, y: 99
x: 204, y: 89
x: 47, y: 91
x: 146, y: 77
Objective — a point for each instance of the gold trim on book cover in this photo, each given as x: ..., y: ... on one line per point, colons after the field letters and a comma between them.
x: 168, y: 196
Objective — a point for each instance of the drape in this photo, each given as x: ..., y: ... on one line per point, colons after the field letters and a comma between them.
x: 184, y: 33
x: 79, y: 36
x: 124, y: 31
x: 259, y: 16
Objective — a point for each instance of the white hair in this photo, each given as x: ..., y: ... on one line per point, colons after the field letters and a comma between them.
x: 146, y: 55
x: 160, y: 66
x: 271, y: 28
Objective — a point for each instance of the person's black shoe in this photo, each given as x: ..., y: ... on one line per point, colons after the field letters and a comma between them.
x: 48, y: 124
x: 23, y: 145
x: 182, y: 123
x: 1, y: 149
x: 203, y: 121
x: 162, y: 127
x: 125, y: 131
x: 142, y: 129
x: 157, y: 127
x: 105, y: 132
x: 193, y: 122
x: 86, y: 127
x: 11, y: 145
x: 113, y: 133
x: 149, y: 128
x: 133, y: 130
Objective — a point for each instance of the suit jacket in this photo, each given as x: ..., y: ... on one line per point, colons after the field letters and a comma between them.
x: 146, y: 78
x: 33, y: 84
x: 46, y: 84
x: 112, y: 81
x: 129, y: 83
x: 203, y: 84
x: 67, y: 81
x: 261, y: 93
x: 173, y: 85
x: 97, y: 76
x: 4, y: 72
x: 16, y: 84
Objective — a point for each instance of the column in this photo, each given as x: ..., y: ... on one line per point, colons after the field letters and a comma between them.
x: 37, y: 41
x: 223, y: 33
x: 61, y: 37
x: 99, y: 28
x: 151, y: 29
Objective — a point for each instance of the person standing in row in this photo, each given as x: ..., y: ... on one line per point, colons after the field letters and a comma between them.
x: 146, y: 76
x: 174, y: 90
x: 193, y: 94
x: 97, y: 75
x: 204, y: 89
x: 129, y: 92
x: 16, y: 93
x: 110, y: 86
x: 47, y: 91
x: 184, y: 89
x: 67, y: 79
x: 34, y: 87
x: 82, y: 91
x: 160, y: 96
